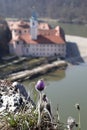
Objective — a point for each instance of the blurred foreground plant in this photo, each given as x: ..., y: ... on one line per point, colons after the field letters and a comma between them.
x: 21, y: 120
x: 79, y: 120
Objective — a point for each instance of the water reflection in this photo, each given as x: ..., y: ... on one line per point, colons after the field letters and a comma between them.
x: 51, y: 76
x: 56, y: 75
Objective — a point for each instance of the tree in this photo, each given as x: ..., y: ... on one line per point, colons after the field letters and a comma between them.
x: 5, y: 37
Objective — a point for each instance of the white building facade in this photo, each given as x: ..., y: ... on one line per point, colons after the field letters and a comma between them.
x: 37, y: 50
x: 37, y: 41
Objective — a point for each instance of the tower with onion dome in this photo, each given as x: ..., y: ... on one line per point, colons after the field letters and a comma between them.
x: 33, y: 26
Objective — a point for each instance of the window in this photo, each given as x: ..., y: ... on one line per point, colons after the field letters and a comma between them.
x: 33, y: 23
x: 27, y: 50
x: 19, y: 31
x: 17, y: 42
x: 25, y: 31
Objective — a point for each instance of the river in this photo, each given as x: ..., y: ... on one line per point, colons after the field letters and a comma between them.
x: 66, y: 88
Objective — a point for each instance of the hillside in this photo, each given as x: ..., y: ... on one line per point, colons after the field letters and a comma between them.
x: 64, y: 10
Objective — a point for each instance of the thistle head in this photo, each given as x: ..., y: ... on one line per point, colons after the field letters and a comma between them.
x: 70, y: 122
x: 40, y: 85
x: 77, y: 106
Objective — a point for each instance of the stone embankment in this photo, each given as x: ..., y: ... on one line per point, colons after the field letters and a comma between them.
x: 36, y: 71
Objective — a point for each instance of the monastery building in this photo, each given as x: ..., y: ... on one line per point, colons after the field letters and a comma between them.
x: 36, y: 39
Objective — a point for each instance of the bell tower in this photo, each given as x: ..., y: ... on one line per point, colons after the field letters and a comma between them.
x: 34, y: 26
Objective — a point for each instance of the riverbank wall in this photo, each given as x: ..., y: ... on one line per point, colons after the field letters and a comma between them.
x: 43, y: 69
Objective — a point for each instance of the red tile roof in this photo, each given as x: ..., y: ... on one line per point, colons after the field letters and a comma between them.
x: 44, y: 26
x: 45, y: 34
x: 43, y: 39
x: 19, y: 25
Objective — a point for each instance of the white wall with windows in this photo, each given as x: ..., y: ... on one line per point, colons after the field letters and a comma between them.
x: 42, y: 50
x: 37, y: 50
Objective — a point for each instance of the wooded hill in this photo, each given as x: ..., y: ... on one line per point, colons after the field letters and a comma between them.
x: 64, y: 10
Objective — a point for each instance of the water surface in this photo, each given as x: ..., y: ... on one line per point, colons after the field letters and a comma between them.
x: 66, y: 91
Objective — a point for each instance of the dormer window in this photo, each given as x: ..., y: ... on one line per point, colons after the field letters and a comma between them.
x: 25, y: 31
x: 19, y: 31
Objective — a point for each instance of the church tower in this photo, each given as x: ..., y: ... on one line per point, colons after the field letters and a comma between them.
x: 33, y: 26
